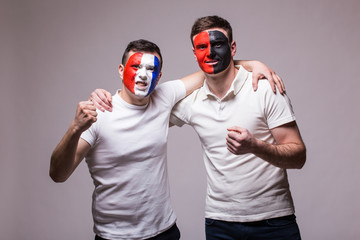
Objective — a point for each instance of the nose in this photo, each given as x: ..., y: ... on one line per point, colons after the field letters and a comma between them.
x: 211, y: 54
x: 142, y: 73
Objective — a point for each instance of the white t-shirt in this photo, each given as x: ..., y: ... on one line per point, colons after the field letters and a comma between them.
x: 240, y: 188
x: 127, y: 162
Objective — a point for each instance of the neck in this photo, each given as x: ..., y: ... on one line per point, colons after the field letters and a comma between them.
x: 219, y: 84
x: 131, y: 98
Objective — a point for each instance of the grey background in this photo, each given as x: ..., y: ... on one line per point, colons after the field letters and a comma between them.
x: 54, y: 53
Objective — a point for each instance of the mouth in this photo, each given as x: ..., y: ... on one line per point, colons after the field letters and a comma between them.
x: 141, y: 85
x: 211, y: 62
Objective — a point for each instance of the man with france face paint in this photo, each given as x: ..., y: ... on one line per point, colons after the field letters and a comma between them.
x: 125, y: 149
x: 141, y: 74
x: 249, y: 140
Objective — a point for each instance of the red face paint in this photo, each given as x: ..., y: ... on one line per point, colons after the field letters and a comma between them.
x: 141, y: 73
x: 130, y: 71
x: 212, y: 50
x: 202, y: 50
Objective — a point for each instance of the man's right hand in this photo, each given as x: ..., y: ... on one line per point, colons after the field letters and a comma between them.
x: 85, y: 116
x: 101, y: 99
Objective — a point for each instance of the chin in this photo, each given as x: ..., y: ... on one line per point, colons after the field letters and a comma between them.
x: 141, y: 94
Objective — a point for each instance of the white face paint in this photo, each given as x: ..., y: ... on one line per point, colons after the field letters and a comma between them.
x: 141, y: 73
x: 144, y: 75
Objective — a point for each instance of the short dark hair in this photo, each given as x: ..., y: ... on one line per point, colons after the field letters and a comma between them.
x: 204, y: 23
x: 141, y: 45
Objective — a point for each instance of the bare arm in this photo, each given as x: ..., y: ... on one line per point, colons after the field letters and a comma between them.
x: 193, y: 81
x: 288, y: 152
x: 102, y: 98
x: 71, y: 150
x: 261, y: 71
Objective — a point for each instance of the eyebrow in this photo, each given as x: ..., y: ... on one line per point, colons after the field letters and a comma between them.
x: 146, y: 64
x: 201, y: 44
x: 219, y: 38
x: 217, y: 35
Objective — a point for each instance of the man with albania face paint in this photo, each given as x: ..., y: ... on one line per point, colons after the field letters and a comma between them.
x: 250, y: 138
x: 125, y: 148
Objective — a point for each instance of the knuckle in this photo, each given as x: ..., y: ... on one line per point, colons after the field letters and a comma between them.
x: 237, y: 145
x: 103, y: 98
x: 82, y: 107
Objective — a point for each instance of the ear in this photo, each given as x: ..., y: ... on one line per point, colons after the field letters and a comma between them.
x: 160, y: 74
x: 121, y: 71
x: 193, y: 49
x: 233, y: 48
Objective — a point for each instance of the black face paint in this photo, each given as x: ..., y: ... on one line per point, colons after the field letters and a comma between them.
x: 219, y: 50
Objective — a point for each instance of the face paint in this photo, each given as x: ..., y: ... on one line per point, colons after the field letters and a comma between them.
x: 212, y: 50
x: 141, y: 73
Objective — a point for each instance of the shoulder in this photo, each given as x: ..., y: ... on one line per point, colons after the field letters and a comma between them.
x: 170, y: 92
x: 187, y: 104
x: 264, y: 89
x: 174, y: 85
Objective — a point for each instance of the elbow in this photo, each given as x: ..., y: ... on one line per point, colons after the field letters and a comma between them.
x: 56, y: 178
x: 302, y: 159
x: 301, y: 163
x: 56, y: 171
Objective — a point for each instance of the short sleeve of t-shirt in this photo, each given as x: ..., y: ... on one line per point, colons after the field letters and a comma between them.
x: 180, y: 113
x: 170, y: 92
x: 277, y: 107
x: 90, y: 134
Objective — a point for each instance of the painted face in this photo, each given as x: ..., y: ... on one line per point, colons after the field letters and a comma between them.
x: 141, y: 73
x: 212, y: 50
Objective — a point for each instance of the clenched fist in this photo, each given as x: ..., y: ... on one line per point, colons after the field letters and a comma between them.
x: 85, y: 116
x: 240, y: 140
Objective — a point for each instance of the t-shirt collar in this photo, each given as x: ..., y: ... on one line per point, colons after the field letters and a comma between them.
x: 235, y: 87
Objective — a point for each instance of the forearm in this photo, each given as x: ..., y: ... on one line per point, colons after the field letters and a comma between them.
x: 247, y: 64
x: 63, y: 160
x: 193, y: 81
x: 289, y: 155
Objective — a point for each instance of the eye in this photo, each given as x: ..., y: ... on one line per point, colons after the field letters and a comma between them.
x: 218, y: 44
x: 201, y: 46
x: 150, y: 68
x: 135, y: 66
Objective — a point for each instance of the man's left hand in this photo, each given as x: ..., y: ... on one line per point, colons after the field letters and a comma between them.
x: 240, y: 140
